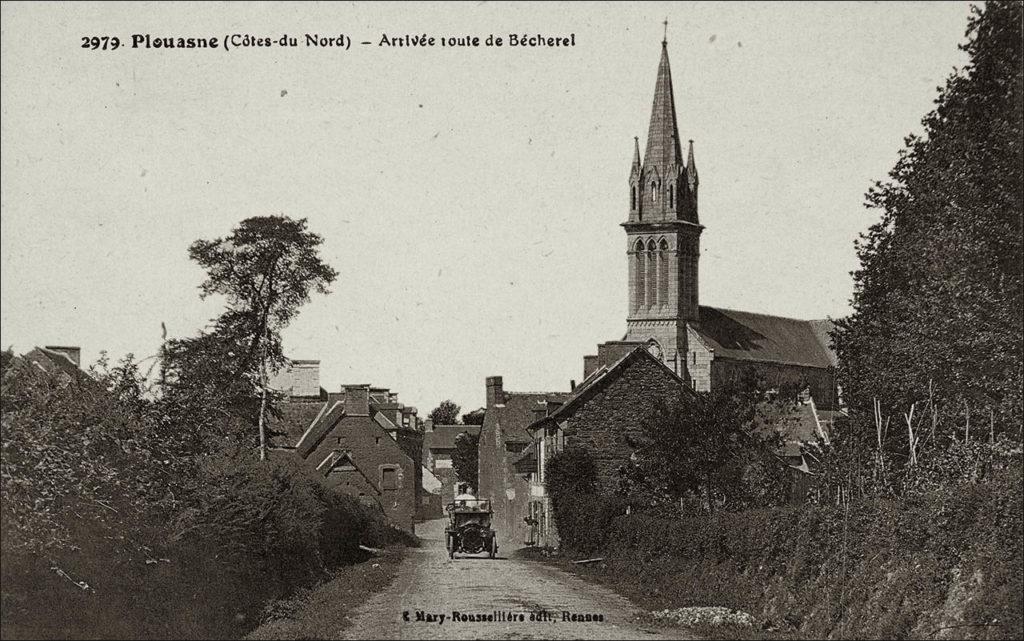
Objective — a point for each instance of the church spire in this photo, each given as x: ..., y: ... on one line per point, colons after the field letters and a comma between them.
x: 663, y: 152
x: 635, y: 170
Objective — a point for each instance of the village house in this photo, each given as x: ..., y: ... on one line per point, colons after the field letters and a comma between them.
x: 361, y: 440
x: 438, y: 448
x: 503, y: 438
x: 604, y: 415
x: 62, y: 363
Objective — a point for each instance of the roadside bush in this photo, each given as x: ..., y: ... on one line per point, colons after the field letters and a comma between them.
x: 581, y: 516
x: 107, y: 531
x: 945, y: 562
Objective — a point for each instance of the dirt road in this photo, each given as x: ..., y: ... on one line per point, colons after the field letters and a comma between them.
x: 429, y: 589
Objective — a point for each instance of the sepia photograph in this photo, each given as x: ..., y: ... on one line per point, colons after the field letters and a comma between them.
x: 512, y: 320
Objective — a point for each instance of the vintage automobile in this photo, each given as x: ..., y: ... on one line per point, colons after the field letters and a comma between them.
x: 469, y: 527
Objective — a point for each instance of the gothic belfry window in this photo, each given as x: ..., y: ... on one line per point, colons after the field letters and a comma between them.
x: 654, y: 192
x: 639, y: 300
x: 671, y: 198
x: 632, y: 200
x: 652, y: 275
x: 663, y: 272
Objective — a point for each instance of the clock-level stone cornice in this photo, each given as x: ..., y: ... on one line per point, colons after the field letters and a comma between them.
x: 661, y: 225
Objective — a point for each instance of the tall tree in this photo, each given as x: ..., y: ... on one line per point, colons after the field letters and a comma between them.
x: 938, y: 297
x: 476, y: 417
x: 447, y: 413
x: 465, y: 458
x: 266, y: 268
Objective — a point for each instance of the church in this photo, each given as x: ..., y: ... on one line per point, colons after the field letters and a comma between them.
x: 703, y: 345
x: 674, y: 347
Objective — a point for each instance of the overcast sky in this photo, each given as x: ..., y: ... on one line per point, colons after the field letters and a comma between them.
x: 470, y: 199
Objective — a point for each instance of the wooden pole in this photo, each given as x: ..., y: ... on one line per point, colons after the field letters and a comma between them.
x: 263, y: 397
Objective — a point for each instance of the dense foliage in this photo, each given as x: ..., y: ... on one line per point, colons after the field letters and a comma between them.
x: 947, y: 562
x: 466, y: 458
x: 266, y: 269
x: 711, y: 450
x: 938, y: 296
x: 915, y: 526
x: 139, y: 508
x: 446, y: 413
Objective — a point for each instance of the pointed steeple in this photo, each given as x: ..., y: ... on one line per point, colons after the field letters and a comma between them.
x: 691, y: 169
x: 663, y: 152
x: 635, y: 169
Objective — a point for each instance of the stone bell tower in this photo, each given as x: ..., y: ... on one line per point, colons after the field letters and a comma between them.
x: 663, y: 232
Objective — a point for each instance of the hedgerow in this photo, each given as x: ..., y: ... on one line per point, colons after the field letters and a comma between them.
x: 115, y: 524
x: 946, y: 559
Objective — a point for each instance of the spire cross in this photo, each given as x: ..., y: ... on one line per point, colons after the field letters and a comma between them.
x: 664, y: 39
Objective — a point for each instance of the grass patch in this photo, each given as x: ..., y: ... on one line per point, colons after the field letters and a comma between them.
x: 327, y: 608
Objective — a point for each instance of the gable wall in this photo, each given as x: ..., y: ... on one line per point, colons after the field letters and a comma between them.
x: 698, y: 362
x: 604, y: 423
x: 372, y: 450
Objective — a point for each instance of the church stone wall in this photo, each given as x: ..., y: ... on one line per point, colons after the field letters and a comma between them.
x: 698, y: 362
x: 821, y: 381
x: 666, y: 332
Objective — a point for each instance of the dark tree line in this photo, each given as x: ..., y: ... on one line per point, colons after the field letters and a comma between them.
x: 938, y: 297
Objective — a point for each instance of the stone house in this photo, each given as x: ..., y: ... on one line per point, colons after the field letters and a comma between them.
x: 355, y: 448
x: 603, y: 415
x: 606, y: 412
x: 503, y: 439
x: 362, y: 441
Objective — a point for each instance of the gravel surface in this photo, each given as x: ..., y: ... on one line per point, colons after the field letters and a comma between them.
x: 429, y: 589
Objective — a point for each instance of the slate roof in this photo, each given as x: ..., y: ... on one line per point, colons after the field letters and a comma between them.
x: 443, y: 437
x: 55, y: 363
x: 517, y: 412
x: 296, y: 417
x: 50, y: 361
x: 605, y: 374
x: 663, y: 152
x: 527, y: 462
x: 748, y: 336
x: 317, y: 430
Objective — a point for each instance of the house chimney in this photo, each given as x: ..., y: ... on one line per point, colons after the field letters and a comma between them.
x: 428, y: 425
x: 495, y: 391
x: 357, y: 400
x: 610, y: 352
x: 540, y: 412
x: 589, y: 365
x: 73, y: 353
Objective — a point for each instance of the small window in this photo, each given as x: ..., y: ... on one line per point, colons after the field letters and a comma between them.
x: 376, y: 441
x: 654, y: 192
x: 632, y: 200
x: 671, y: 199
